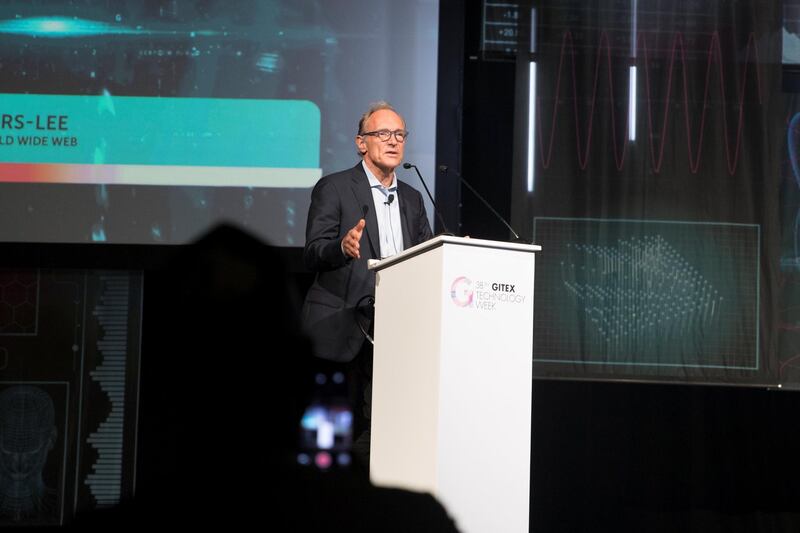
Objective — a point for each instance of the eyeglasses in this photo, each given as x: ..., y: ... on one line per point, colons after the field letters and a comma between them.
x: 384, y: 135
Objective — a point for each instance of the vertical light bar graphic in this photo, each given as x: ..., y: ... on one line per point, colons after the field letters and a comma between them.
x: 531, y: 122
x: 105, y: 481
x: 632, y: 75
x: 632, y: 104
x: 483, y: 28
x: 532, y: 104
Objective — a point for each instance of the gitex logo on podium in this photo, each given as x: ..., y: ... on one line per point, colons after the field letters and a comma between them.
x: 461, y: 291
x: 484, y: 295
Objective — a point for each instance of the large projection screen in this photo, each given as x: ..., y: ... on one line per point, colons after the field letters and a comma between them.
x: 149, y: 122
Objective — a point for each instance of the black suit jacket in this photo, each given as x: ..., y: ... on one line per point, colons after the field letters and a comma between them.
x: 342, y: 283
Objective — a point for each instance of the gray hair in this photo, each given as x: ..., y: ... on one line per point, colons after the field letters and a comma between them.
x: 376, y: 106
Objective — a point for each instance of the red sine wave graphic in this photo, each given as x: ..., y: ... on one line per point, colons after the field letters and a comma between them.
x: 677, y: 51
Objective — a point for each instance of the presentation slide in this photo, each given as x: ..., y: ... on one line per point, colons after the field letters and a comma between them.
x: 150, y: 122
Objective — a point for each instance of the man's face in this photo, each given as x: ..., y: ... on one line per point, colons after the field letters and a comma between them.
x: 385, y: 155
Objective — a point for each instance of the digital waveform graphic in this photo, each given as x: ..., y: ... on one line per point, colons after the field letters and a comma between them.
x: 639, y: 292
x: 105, y: 480
x: 656, y: 136
x: 661, y: 295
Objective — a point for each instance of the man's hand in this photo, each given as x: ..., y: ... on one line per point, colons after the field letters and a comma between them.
x: 350, y: 243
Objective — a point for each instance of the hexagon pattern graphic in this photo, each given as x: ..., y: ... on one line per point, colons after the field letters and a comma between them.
x: 19, y: 299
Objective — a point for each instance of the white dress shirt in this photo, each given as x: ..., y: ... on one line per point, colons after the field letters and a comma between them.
x: 388, y: 214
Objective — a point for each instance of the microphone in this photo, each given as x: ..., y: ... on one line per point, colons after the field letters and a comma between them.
x: 436, y: 210
x: 389, y: 200
x: 443, y: 169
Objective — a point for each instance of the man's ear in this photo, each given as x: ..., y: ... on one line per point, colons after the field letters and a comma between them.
x: 361, y: 145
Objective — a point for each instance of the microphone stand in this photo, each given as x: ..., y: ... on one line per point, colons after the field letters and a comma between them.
x: 435, y: 209
x: 517, y: 238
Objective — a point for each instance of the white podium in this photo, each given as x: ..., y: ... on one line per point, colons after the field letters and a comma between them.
x: 452, y: 378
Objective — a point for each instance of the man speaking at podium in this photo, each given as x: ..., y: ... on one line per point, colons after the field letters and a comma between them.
x: 358, y: 214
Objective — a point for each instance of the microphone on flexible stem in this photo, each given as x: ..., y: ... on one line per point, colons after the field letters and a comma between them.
x: 438, y: 214
x: 517, y: 238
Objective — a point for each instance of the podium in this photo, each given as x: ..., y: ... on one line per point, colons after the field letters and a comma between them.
x: 452, y: 378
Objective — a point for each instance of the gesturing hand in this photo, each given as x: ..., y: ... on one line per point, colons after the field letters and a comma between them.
x: 350, y: 243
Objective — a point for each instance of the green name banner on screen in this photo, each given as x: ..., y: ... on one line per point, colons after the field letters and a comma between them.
x: 159, y: 141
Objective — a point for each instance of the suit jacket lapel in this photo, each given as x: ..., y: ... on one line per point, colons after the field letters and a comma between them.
x: 363, y: 196
x: 404, y: 220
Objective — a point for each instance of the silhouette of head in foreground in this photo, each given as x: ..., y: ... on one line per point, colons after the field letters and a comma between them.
x: 226, y: 375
